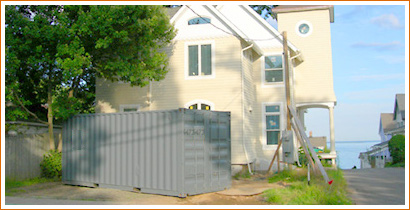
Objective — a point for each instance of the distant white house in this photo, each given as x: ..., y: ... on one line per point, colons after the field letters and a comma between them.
x: 390, y: 124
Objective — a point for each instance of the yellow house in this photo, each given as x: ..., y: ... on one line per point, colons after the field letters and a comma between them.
x: 228, y: 58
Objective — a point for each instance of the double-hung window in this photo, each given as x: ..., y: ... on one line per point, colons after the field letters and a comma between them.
x: 273, y: 71
x: 200, y: 60
x: 272, y: 124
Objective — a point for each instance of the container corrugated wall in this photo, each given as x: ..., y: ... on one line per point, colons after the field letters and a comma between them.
x: 175, y: 152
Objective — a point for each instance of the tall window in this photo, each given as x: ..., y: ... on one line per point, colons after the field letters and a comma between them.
x: 273, y: 69
x: 272, y: 124
x: 200, y: 60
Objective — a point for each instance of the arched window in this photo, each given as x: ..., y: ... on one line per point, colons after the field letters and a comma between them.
x: 200, y: 105
x: 199, y: 20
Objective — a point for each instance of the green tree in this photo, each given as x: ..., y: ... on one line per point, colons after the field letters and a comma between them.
x: 54, y: 54
x: 267, y: 9
x: 397, y: 148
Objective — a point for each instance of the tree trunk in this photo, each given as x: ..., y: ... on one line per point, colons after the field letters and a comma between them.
x: 50, y: 119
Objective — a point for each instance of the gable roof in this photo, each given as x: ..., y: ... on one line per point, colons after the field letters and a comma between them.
x: 301, y: 8
x: 240, y: 30
x: 387, y: 122
x: 400, y: 104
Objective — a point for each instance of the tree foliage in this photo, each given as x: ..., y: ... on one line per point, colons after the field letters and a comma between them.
x: 54, y: 54
x: 397, y: 148
x: 266, y: 9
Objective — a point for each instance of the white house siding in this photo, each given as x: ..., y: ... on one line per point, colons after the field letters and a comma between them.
x: 265, y: 94
x: 313, y: 77
x: 249, y: 103
x: 109, y: 96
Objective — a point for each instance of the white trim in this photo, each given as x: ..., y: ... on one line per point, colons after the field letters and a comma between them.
x: 316, y: 105
x: 272, y: 84
x: 265, y: 23
x: 129, y: 106
x: 186, y: 57
x: 265, y: 146
x: 304, y: 22
x: 199, y: 102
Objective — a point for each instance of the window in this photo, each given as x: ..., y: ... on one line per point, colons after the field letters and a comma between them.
x: 200, y: 60
x: 303, y: 28
x: 272, y: 121
x: 129, y: 107
x: 273, y: 71
x: 200, y: 105
x: 199, y: 20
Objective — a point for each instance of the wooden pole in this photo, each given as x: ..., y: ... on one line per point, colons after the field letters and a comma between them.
x: 287, y: 79
x: 274, y: 156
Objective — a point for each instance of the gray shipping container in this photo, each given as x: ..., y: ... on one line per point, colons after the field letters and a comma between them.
x: 175, y: 152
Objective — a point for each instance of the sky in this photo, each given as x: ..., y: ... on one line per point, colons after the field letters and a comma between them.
x: 369, y: 67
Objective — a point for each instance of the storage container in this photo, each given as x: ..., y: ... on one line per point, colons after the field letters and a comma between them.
x: 174, y: 152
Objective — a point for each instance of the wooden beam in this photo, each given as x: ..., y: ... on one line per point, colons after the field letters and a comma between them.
x: 274, y: 156
x: 306, y: 139
x: 287, y: 79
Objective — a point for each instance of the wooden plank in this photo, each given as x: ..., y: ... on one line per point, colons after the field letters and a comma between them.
x: 306, y: 139
x: 274, y: 156
x: 299, y: 138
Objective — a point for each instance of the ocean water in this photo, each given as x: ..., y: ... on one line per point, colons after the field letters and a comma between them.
x: 348, y: 152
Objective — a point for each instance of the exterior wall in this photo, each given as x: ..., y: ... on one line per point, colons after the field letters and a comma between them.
x: 250, y: 133
x: 274, y: 94
x: 313, y: 77
x: 109, y: 96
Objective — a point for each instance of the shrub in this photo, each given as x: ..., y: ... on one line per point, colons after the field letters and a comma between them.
x: 51, y: 165
x: 397, y: 148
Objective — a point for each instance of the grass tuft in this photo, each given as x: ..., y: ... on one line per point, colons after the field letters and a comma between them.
x: 298, y: 192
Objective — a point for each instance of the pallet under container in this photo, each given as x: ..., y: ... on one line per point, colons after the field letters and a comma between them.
x: 174, y: 152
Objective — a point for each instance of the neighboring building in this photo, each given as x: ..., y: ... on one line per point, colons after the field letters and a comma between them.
x: 228, y: 58
x: 390, y: 124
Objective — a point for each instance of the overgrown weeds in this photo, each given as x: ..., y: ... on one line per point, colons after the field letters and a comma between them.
x: 298, y: 192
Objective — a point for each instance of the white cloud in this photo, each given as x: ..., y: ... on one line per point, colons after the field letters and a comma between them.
x: 389, y: 21
x: 379, y: 45
x: 378, y: 77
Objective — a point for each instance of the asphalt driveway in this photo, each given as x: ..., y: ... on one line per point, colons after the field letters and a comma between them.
x: 377, y: 186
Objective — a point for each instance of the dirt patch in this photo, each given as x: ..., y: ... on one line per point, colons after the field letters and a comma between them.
x: 57, y: 190
x: 244, y: 191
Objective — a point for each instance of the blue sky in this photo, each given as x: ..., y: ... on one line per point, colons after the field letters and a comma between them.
x: 369, y: 47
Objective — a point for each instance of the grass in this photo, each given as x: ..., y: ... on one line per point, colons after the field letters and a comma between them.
x: 242, y: 175
x: 12, y: 186
x: 395, y: 165
x: 298, y: 192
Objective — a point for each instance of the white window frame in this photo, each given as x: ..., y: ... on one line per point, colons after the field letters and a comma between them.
x: 199, y: 102
x: 129, y: 106
x: 304, y: 22
x: 264, y: 142
x: 186, y: 71
x: 272, y: 84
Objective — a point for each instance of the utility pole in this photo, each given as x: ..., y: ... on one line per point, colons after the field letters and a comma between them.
x: 287, y: 79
